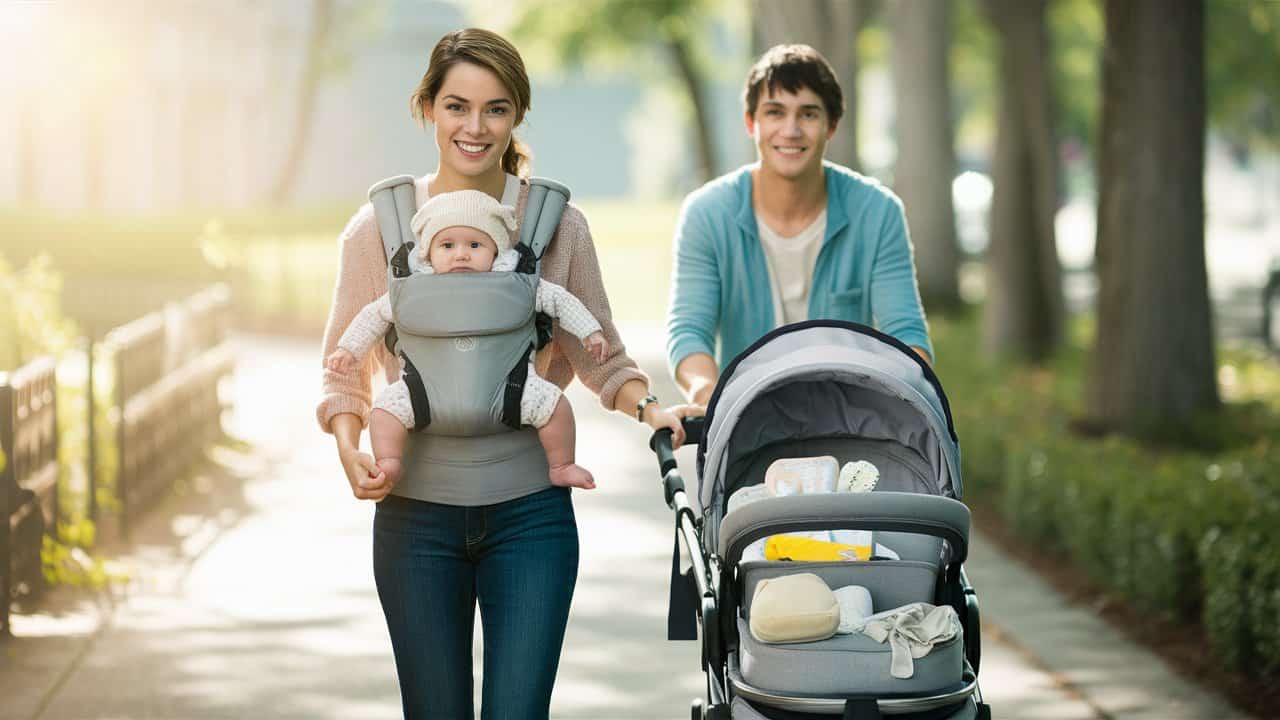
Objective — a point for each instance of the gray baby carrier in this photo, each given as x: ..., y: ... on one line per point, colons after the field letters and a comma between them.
x: 465, y: 338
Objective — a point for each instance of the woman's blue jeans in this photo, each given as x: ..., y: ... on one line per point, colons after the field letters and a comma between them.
x: 433, y: 563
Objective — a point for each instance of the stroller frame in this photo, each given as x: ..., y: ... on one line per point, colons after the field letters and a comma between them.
x: 703, y: 599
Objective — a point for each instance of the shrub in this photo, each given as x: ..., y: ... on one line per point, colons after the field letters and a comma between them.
x: 1193, y: 535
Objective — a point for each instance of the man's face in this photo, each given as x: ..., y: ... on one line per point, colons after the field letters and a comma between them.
x: 790, y: 131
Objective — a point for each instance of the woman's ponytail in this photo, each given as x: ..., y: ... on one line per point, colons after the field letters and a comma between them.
x: 518, y: 159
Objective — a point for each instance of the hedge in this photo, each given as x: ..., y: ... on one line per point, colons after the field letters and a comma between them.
x: 1190, y: 535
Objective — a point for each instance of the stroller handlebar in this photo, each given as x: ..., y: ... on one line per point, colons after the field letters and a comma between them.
x: 660, y: 443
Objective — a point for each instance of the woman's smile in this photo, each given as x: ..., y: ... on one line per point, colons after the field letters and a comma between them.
x: 472, y: 150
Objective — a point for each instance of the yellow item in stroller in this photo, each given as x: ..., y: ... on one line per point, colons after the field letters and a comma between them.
x: 799, y: 548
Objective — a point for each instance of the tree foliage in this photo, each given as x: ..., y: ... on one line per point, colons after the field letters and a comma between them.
x: 575, y: 33
x: 1243, y: 58
x: 1075, y: 40
x: 31, y: 319
x: 626, y: 30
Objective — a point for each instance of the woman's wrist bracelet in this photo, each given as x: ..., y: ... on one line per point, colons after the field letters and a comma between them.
x: 645, y: 402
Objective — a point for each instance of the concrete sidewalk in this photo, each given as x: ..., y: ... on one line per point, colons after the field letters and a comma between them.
x: 252, y: 595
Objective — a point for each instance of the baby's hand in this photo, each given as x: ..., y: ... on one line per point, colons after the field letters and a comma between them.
x: 341, y: 360
x: 596, y: 346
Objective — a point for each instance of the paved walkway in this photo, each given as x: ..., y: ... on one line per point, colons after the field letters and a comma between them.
x: 252, y: 595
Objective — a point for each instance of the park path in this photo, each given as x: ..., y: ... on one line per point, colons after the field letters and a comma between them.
x: 252, y: 594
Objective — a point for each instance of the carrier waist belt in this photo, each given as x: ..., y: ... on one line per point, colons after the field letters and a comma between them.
x: 473, y: 470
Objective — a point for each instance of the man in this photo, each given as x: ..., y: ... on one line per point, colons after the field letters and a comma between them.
x: 789, y: 238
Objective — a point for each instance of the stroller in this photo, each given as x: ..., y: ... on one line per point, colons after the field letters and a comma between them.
x: 824, y: 388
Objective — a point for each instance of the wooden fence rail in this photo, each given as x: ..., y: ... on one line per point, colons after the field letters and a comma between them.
x: 29, y: 478
x: 167, y: 365
x: 167, y: 410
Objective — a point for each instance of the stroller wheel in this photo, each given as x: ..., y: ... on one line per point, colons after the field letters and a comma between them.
x: 695, y: 709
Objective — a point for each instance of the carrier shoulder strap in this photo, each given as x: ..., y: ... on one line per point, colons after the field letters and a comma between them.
x: 542, y: 212
x: 394, y: 204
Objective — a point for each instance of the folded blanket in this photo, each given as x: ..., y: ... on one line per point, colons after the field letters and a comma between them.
x: 912, y: 631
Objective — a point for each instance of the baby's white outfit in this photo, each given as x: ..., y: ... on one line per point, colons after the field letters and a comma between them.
x: 539, y: 397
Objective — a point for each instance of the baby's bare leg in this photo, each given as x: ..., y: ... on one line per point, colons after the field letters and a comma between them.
x: 558, y: 436
x: 387, y: 436
x: 543, y: 406
x: 389, y: 424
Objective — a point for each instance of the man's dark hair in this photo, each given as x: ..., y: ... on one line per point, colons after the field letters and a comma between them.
x: 792, y: 67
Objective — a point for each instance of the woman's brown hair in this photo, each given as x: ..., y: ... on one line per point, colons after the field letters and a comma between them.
x: 492, y: 52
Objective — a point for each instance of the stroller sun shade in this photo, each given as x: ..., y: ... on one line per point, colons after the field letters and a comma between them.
x: 816, y: 385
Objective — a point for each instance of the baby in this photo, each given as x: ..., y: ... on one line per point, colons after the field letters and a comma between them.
x: 469, y: 231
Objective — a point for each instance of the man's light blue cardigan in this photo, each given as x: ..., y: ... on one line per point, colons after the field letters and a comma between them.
x: 720, y: 284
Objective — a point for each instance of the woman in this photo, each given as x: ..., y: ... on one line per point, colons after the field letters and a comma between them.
x: 468, y: 522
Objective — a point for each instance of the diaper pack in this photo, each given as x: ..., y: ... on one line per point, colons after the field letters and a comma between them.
x: 810, y: 476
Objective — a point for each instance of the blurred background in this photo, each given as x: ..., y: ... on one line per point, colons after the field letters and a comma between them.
x: 150, y: 150
x: 156, y: 145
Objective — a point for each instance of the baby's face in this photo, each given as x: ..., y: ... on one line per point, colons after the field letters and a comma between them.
x: 462, y: 249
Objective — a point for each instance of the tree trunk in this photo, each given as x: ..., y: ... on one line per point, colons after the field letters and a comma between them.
x: 312, y: 70
x: 830, y: 27
x: 926, y: 160
x: 678, y: 46
x: 1024, y: 290
x: 1153, y: 365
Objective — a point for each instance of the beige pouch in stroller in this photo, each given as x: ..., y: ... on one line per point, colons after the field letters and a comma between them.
x: 794, y: 608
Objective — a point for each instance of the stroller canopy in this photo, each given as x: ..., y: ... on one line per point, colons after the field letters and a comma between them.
x: 826, y: 378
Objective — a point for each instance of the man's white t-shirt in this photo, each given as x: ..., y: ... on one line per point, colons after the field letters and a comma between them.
x: 791, y: 261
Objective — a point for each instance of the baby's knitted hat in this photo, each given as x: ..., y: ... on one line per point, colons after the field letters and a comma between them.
x: 466, y: 208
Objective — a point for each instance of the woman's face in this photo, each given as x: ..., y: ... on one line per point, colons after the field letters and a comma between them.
x: 474, y: 115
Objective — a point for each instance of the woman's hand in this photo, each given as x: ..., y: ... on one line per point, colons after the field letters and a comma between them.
x: 658, y: 417
x: 366, y: 480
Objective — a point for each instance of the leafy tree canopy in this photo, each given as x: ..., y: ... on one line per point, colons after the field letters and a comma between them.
x: 1243, y: 46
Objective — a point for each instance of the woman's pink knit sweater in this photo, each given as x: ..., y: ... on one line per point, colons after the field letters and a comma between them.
x: 570, y: 261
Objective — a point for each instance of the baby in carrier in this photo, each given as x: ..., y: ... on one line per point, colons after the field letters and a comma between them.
x: 469, y: 231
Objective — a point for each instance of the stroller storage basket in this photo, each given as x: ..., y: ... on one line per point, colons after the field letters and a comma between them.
x: 834, y: 705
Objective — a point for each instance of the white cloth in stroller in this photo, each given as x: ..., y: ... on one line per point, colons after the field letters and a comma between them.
x: 912, y: 631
